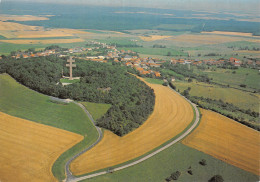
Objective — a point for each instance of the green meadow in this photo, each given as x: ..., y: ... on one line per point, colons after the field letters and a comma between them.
x: 17, y: 100
x: 177, y: 158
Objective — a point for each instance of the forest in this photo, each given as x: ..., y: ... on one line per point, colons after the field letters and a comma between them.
x: 132, y: 100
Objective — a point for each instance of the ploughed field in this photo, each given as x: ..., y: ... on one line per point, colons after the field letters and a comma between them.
x: 28, y: 149
x: 227, y: 140
x: 171, y: 115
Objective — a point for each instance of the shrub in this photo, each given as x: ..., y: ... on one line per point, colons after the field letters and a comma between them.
x: 216, y: 178
x: 168, y: 179
x: 165, y: 84
x: 175, y: 175
x: 190, y: 172
x: 203, y: 162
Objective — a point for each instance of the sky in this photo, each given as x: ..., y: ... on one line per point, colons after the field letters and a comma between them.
x: 205, y: 5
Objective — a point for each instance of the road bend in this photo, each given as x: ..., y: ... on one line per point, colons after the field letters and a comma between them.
x: 71, y: 178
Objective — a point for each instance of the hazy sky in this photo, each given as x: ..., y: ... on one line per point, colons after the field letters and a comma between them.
x: 207, y: 5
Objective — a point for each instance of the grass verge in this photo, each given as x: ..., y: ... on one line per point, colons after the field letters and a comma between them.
x: 19, y: 101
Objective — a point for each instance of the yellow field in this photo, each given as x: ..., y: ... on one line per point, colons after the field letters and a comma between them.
x: 172, y: 114
x: 209, y: 39
x: 16, y: 30
x: 226, y: 140
x: 47, y: 41
x: 153, y: 37
x: 28, y: 150
x: 4, y: 17
x: 230, y: 33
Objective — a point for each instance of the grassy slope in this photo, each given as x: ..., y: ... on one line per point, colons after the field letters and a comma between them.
x: 172, y: 73
x: 239, y: 98
x: 97, y: 110
x: 172, y: 159
x: 64, y: 80
x: 246, y: 76
x: 22, y: 102
x: 6, y: 48
x: 155, y: 51
x: 154, y: 81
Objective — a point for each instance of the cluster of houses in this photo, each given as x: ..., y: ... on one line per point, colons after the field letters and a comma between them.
x: 127, y: 58
x: 142, y: 65
x: 33, y: 55
x: 232, y: 61
x: 145, y: 66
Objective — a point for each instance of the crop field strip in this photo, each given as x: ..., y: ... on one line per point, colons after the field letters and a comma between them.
x: 220, y: 137
x: 19, y: 101
x: 172, y: 114
x: 28, y: 149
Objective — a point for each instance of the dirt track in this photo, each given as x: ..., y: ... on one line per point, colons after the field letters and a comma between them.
x: 172, y: 114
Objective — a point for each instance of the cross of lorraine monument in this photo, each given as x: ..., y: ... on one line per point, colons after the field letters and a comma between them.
x: 70, y: 65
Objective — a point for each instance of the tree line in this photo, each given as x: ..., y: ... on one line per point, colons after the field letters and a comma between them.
x: 132, y: 101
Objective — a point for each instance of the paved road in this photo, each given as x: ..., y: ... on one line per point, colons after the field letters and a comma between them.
x: 71, y: 178
x: 69, y: 175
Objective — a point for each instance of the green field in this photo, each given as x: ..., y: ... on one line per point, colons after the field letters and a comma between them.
x: 172, y: 73
x: 97, y: 110
x: 249, y: 77
x: 160, y: 166
x: 154, y: 81
x: 64, y: 80
x: 6, y: 48
x: 155, y: 51
x: 22, y: 102
x: 174, y: 27
x: 239, y: 98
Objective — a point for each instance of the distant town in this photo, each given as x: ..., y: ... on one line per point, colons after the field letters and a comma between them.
x: 145, y: 66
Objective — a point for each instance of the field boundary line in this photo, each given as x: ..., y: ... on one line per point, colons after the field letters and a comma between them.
x: 72, y: 178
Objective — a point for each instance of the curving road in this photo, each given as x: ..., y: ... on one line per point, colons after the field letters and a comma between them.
x: 71, y: 178
x: 69, y: 175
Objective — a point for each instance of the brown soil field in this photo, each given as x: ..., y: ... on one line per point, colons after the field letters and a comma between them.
x: 28, y: 150
x: 227, y: 140
x: 153, y: 37
x: 171, y: 115
x: 47, y: 41
x: 209, y: 39
x: 4, y: 17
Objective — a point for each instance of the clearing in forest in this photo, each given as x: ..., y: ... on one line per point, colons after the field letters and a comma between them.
x: 227, y: 140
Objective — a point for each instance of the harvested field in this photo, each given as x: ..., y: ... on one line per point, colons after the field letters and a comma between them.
x: 209, y: 39
x: 153, y: 37
x: 4, y: 17
x: 47, y: 41
x: 230, y: 33
x: 28, y: 150
x: 172, y: 114
x: 226, y: 140
x: 17, y: 30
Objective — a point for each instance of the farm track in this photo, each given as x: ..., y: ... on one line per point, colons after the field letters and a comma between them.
x: 71, y: 178
x: 69, y: 175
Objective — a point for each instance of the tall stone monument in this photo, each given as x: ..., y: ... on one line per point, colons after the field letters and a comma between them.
x: 70, y: 65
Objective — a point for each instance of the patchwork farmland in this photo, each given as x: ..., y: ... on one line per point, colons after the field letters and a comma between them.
x: 172, y: 114
x: 221, y: 138
x: 28, y: 149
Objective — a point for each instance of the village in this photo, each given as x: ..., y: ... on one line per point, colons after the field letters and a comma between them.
x: 102, y: 52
